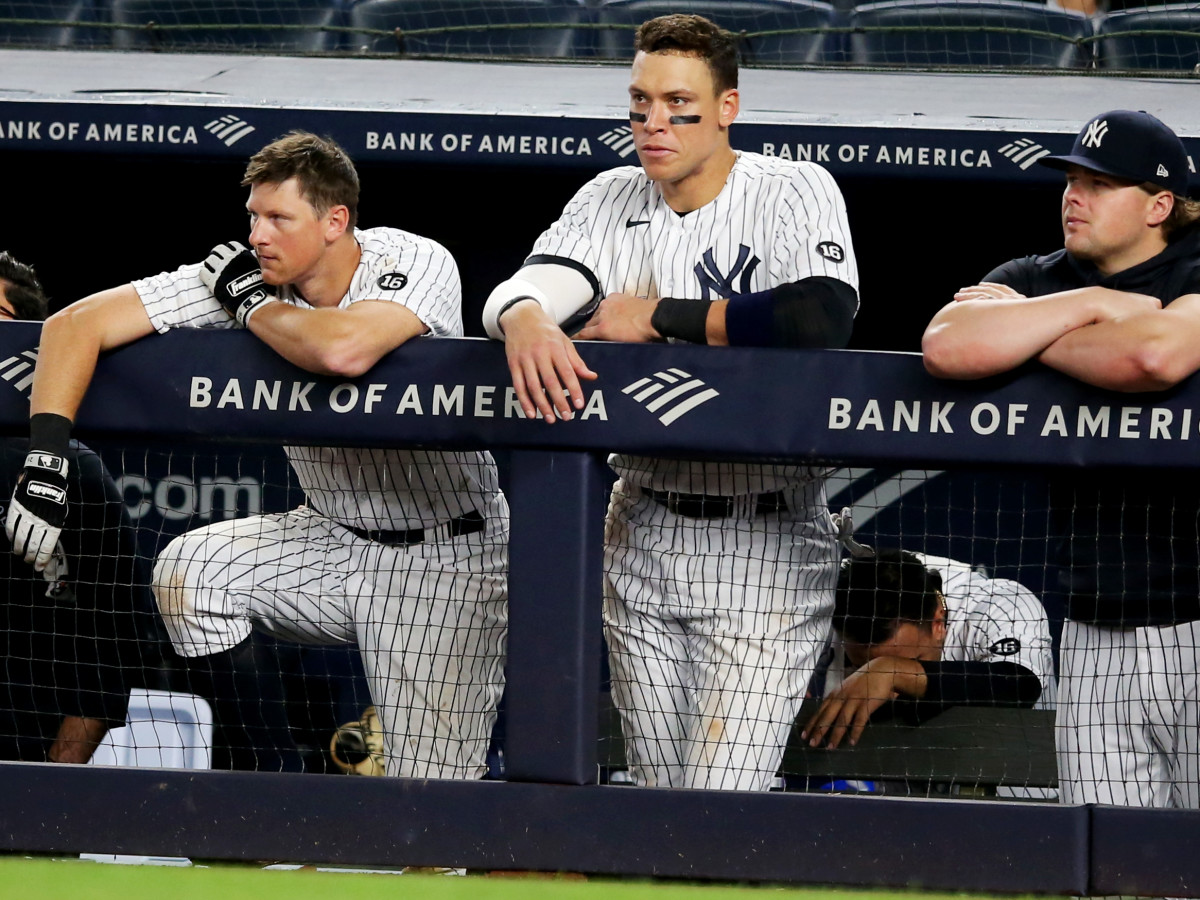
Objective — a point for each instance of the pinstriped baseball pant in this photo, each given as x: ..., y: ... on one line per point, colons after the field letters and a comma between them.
x: 1128, y: 722
x: 430, y: 619
x: 714, y: 627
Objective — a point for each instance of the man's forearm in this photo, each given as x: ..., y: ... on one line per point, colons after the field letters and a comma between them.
x: 977, y: 338
x: 1147, y: 352
x: 77, y: 739
x: 949, y: 684
x: 73, y: 339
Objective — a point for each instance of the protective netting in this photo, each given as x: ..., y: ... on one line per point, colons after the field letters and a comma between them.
x: 743, y: 616
x: 1106, y: 35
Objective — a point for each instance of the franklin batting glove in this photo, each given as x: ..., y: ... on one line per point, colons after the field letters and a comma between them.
x: 233, y: 275
x: 38, y: 508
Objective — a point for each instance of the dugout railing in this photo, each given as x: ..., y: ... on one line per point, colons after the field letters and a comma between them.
x: 550, y: 815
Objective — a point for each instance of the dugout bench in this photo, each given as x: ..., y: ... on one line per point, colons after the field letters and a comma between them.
x: 967, y: 751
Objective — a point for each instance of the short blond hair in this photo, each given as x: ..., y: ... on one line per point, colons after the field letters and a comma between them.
x: 326, y: 176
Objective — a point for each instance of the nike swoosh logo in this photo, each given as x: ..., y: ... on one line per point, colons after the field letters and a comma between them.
x: 630, y: 223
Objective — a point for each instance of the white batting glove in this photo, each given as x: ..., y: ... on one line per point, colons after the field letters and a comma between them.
x: 233, y: 275
x: 38, y: 508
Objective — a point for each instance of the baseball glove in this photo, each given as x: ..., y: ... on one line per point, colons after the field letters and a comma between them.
x: 357, y: 748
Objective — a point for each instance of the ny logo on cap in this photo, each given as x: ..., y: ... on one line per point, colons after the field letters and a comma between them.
x: 1095, y: 133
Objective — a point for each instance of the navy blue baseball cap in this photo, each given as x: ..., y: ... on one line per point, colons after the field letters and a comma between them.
x: 1129, y: 144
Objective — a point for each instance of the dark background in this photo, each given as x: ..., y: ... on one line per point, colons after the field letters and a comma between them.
x: 88, y: 222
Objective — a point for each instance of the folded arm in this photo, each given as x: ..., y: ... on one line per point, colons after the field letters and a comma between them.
x: 970, y: 683
x: 343, y: 342
x: 990, y: 328
x: 1146, y: 351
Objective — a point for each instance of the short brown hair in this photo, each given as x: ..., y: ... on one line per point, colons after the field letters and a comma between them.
x: 326, y: 175
x: 22, y: 289
x: 693, y: 36
x: 1183, y: 214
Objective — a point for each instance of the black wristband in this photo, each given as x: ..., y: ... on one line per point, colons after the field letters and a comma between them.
x: 683, y: 319
x: 509, y: 305
x: 49, y: 432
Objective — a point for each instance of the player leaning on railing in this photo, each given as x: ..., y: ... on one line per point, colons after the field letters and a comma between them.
x: 719, y: 577
x: 400, y: 551
x: 1117, y: 307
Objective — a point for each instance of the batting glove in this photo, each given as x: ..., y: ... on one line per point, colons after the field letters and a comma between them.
x: 233, y: 275
x: 38, y: 508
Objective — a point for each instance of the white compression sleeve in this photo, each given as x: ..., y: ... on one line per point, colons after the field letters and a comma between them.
x: 560, y: 290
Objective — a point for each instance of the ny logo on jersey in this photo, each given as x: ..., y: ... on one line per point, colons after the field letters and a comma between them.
x: 1095, y: 133
x: 712, y: 279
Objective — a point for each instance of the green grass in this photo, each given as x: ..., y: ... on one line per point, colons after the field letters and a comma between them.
x: 81, y: 880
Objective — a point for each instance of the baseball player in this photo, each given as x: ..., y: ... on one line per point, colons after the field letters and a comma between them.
x: 720, y: 576
x: 399, y: 551
x: 930, y: 633
x: 76, y: 636
x: 1117, y: 307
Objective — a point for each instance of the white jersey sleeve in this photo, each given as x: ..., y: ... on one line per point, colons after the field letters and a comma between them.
x: 414, y: 271
x: 179, y: 299
x: 596, y: 213
x: 813, y: 233
x: 997, y: 620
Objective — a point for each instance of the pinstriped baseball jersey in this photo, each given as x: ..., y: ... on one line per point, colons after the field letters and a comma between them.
x: 774, y: 222
x: 365, y: 488
x: 987, y: 620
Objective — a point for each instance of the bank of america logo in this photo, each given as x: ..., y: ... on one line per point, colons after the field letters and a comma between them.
x: 673, y: 393
x: 229, y: 129
x: 1024, y: 152
x: 619, y: 140
x: 18, y: 370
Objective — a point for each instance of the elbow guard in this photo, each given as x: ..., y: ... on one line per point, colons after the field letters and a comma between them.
x: 562, y: 287
x: 812, y: 312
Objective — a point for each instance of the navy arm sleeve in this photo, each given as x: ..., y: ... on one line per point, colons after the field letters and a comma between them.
x: 811, y: 312
x: 973, y: 683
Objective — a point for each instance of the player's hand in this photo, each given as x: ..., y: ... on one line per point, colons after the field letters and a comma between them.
x: 621, y: 317
x: 38, y: 508
x: 544, y: 363
x: 233, y: 275
x: 988, y: 290
x: 850, y: 707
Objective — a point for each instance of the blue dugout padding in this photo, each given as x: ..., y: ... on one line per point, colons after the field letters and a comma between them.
x: 203, y: 388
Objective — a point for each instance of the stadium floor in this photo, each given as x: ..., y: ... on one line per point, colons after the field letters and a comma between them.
x: 990, y: 102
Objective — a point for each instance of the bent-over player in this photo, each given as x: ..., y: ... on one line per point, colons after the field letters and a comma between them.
x: 76, y: 636
x: 1117, y: 307
x: 719, y: 576
x: 929, y: 633
x: 400, y: 551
